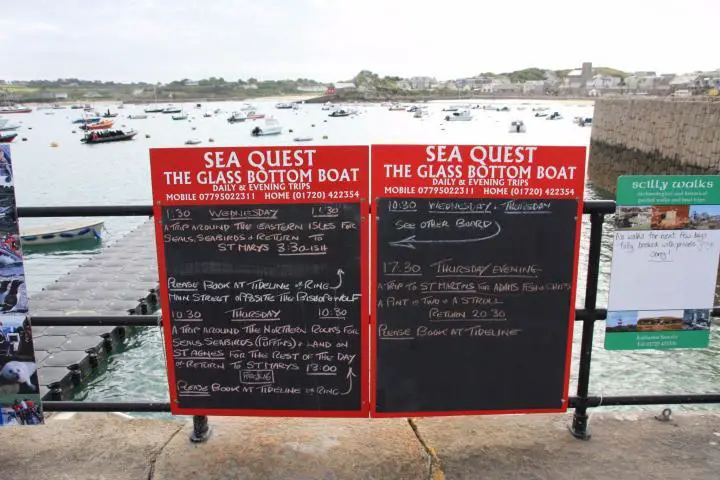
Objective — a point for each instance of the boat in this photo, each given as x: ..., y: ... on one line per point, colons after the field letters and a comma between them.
x: 207, y: 115
x: 245, y: 107
x: 540, y: 109
x: 582, y: 121
x: 303, y: 139
x: 503, y: 109
x: 517, y: 126
x: 541, y: 114
x: 57, y: 106
x: 7, y: 137
x: 411, y: 109
x: 182, y: 116
x: 101, y: 125
x: 397, y: 108
x: 340, y: 112
x: 459, y: 116
x: 193, y: 141
x: 271, y: 127
x: 252, y: 115
x: 172, y: 109
x: 87, y: 120
x: 76, y: 107
x: 283, y: 106
x: 327, y: 106
x: 554, y: 116
x: 61, y: 233
x: 450, y: 109
x: 137, y: 116
x: 384, y: 104
x: 154, y: 109
x: 14, y: 109
x: 237, y: 117
x: 421, y: 112
x: 109, y: 115
x: 108, y: 136
x: 4, y: 127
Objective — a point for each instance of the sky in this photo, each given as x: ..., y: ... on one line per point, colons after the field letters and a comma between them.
x: 332, y: 40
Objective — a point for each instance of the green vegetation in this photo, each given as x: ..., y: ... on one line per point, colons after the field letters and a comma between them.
x: 209, y: 88
x: 527, y: 74
x: 611, y: 72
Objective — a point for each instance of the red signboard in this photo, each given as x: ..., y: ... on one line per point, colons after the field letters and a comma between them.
x: 262, y: 255
x: 475, y: 252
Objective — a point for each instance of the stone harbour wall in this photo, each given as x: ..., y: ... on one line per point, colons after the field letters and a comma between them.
x: 653, y: 136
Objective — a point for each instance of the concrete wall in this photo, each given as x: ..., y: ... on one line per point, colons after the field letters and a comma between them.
x: 653, y: 136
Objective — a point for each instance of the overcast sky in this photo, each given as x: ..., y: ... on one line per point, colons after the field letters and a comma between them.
x: 331, y: 40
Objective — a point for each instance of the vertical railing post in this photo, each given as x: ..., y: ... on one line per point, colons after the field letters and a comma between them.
x: 201, y: 429
x: 579, y: 427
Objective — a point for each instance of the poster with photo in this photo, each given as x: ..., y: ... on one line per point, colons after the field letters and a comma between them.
x: 19, y: 388
x: 664, y: 273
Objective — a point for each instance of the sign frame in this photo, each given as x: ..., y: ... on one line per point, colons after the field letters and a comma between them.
x: 357, y: 156
x: 413, y: 155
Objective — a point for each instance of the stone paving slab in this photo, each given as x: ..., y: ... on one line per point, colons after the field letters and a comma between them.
x: 623, y: 446
x: 111, y: 283
x: 534, y: 447
x: 86, y: 447
x: 297, y: 449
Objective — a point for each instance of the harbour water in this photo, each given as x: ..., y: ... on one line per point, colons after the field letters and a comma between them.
x: 118, y: 173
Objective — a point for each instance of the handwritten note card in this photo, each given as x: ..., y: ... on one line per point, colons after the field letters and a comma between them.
x: 665, y: 262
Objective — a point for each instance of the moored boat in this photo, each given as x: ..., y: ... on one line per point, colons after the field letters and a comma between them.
x: 7, y: 137
x: 303, y: 139
x: 183, y: 116
x: 87, y: 120
x: 108, y: 114
x: 108, y: 136
x: 137, y: 116
x: 154, y: 109
x: 237, y: 117
x: 459, y: 116
x: 252, y: 115
x: 193, y: 141
x: 554, y: 116
x: 14, y: 109
x: 517, y: 126
x: 271, y: 127
x: 340, y: 112
x: 397, y: 108
x: 61, y: 233
x: 421, y: 112
x: 171, y: 109
x: 283, y: 106
x: 100, y: 125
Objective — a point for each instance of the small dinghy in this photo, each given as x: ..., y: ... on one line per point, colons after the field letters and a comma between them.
x: 303, y: 139
x: 61, y: 233
x: 193, y: 141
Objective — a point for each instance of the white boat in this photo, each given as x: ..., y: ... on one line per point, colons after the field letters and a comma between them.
x: 421, y: 112
x: 517, y: 126
x: 4, y: 127
x: 193, y: 141
x: 303, y: 139
x: 397, y: 108
x: 270, y: 127
x: 327, y: 106
x: 459, y: 116
x: 172, y: 109
x: 283, y: 105
x: 61, y: 233
x: 554, y: 116
x: 237, y: 117
x: 450, y: 109
x: 243, y: 108
x: 340, y: 112
x: 137, y: 116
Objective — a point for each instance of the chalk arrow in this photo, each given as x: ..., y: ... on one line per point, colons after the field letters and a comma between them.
x: 349, y: 376
x: 340, y: 274
x: 410, y: 241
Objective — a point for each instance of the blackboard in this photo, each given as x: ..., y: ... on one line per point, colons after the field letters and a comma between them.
x: 265, y: 306
x: 473, y: 304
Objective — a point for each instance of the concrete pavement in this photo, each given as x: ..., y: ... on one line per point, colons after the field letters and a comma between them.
x: 109, y: 447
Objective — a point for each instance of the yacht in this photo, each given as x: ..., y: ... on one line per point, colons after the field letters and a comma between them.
x: 459, y: 116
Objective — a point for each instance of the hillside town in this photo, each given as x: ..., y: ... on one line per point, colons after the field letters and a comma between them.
x: 586, y: 81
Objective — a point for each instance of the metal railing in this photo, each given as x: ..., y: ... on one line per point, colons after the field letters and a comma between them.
x: 581, y: 402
